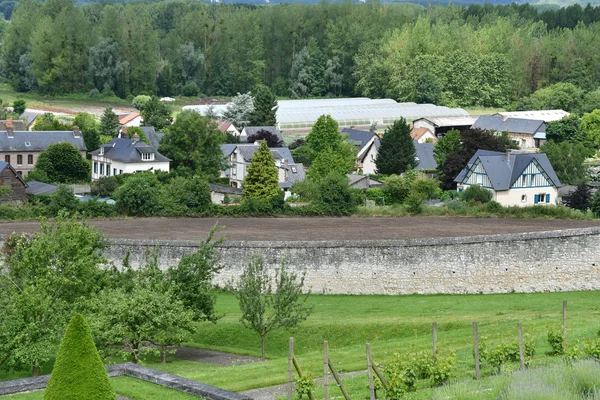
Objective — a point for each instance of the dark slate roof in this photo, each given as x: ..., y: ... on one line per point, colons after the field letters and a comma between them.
x: 38, y: 140
x: 515, y: 125
x: 295, y: 173
x: 227, y: 149
x: 358, y: 137
x: 38, y: 188
x: 360, y: 181
x: 224, y: 189
x: 30, y: 117
x: 153, y: 136
x: 4, y: 165
x: 502, y: 172
x: 251, y: 130
x: 248, y: 150
x: 125, y: 150
x: 424, y: 152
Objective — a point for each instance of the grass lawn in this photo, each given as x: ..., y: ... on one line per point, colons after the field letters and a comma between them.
x: 135, y: 389
x: 390, y: 324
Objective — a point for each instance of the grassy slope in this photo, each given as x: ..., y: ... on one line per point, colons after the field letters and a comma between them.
x: 389, y: 323
x: 135, y: 389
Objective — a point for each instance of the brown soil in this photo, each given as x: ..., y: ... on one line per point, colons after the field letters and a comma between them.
x: 213, y: 357
x: 299, y: 229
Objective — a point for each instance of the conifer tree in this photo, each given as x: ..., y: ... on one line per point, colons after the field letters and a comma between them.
x: 261, y: 180
x: 78, y: 372
x: 265, y: 107
x: 109, y: 123
x: 397, y: 152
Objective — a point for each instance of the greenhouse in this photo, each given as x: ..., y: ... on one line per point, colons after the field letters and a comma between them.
x: 361, y: 111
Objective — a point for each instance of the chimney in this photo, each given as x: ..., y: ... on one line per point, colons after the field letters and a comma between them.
x: 76, y: 131
x: 285, y: 170
x: 136, y: 138
x: 10, y: 131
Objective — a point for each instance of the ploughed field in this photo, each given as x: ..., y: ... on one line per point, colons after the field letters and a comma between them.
x: 299, y: 229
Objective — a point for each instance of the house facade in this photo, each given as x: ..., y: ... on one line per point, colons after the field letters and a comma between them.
x: 132, y: 119
x: 526, y: 133
x: 288, y: 170
x: 514, y: 179
x: 438, y: 126
x: 367, y: 144
x: 227, y: 127
x: 11, y: 178
x: 21, y: 149
x: 125, y: 156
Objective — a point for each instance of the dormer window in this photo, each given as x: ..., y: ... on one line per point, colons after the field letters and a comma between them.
x: 294, y: 170
x: 147, y: 156
x: 102, y: 150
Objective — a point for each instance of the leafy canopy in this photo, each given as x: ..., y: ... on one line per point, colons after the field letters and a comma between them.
x: 265, y: 107
x: 261, y: 182
x: 397, y: 151
x: 60, y: 163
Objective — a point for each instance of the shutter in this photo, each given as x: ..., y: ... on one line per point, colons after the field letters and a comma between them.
x: 536, y: 199
x: 548, y: 198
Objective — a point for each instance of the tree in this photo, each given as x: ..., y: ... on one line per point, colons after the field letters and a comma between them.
x: 89, y: 130
x: 47, y: 275
x: 331, y: 162
x: 261, y: 182
x: 240, y: 109
x: 471, y: 141
x: 334, y: 195
x: 47, y: 122
x: 193, y: 143
x: 566, y: 129
x: 107, y: 67
x: 565, y: 96
x: 109, y: 123
x: 327, y: 150
x: 139, y: 102
x: 397, y: 151
x: 476, y: 194
x: 449, y: 143
x: 139, y: 195
x: 271, y: 139
x: 78, y: 371
x: 19, y: 106
x: 61, y: 163
x: 580, y: 198
x: 266, y: 308
x: 308, y: 71
x: 156, y: 113
x: 63, y: 200
x: 568, y: 160
x: 590, y: 127
x: 595, y: 204
x: 185, y: 196
x: 265, y: 108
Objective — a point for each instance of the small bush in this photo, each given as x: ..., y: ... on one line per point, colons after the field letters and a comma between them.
x: 476, y: 194
x: 139, y: 195
x: 493, y: 207
x: 63, y: 199
x: 414, y: 203
x: 305, y: 385
x: 105, y: 186
x: 556, y: 340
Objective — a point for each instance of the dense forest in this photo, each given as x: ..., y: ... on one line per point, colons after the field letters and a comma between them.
x: 452, y: 55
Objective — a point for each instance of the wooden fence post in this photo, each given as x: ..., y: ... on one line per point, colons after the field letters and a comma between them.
x: 370, y: 372
x: 434, y: 341
x: 565, y: 323
x: 521, y: 350
x: 290, y: 369
x: 476, y: 350
x: 338, y: 380
x: 325, y: 370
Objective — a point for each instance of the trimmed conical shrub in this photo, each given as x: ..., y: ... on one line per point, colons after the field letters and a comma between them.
x: 78, y: 373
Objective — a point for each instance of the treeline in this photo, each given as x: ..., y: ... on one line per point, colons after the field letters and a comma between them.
x: 477, y: 55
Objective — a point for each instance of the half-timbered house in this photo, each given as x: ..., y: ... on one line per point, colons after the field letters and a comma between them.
x: 514, y: 179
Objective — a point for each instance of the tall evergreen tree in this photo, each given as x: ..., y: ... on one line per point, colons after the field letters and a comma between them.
x: 329, y: 152
x: 265, y: 107
x: 156, y: 113
x: 397, y: 151
x: 78, y: 371
x: 261, y: 180
x: 109, y: 123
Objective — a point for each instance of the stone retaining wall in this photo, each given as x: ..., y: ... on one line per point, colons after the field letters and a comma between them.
x: 527, y: 262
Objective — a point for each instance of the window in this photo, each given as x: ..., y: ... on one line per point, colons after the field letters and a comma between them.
x: 114, y: 171
x: 7, y: 158
x: 524, y: 198
x: 19, y: 159
x: 294, y: 170
x: 120, y: 171
x: 108, y: 170
x: 147, y: 156
x: 233, y: 171
x: 101, y: 169
x: 30, y: 159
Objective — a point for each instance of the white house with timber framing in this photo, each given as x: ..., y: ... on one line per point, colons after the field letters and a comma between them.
x: 514, y: 179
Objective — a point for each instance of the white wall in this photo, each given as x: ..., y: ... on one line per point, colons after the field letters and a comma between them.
x: 368, y: 165
x: 125, y: 168
x: 424, y: 124
x: 514, y: 197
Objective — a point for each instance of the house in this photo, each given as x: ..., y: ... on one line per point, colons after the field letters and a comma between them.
x: 220, y: 193
x: 29, y: 118
x: 22, y: 148
x: 36, y: 188
x: 367, y: 144
x: 423, y: 135
x: 424, y: 158
x: 543, y: 115
x: 153, y: 137
x: 131, y: 119
x: 125, y: 156
x: 11, y: 178
x: 514, y: 179
x: 362, y: 182
x: 526, y: 133
x: 226, y: 150
x: 252, y: 130
x: 227, y: 127
x: 438, y: 126
x: 240, y: 159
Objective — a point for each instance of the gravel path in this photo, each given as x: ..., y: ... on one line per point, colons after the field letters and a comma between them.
x: 298, y: 229
x: 273, y: 392
x: 213, y: 357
